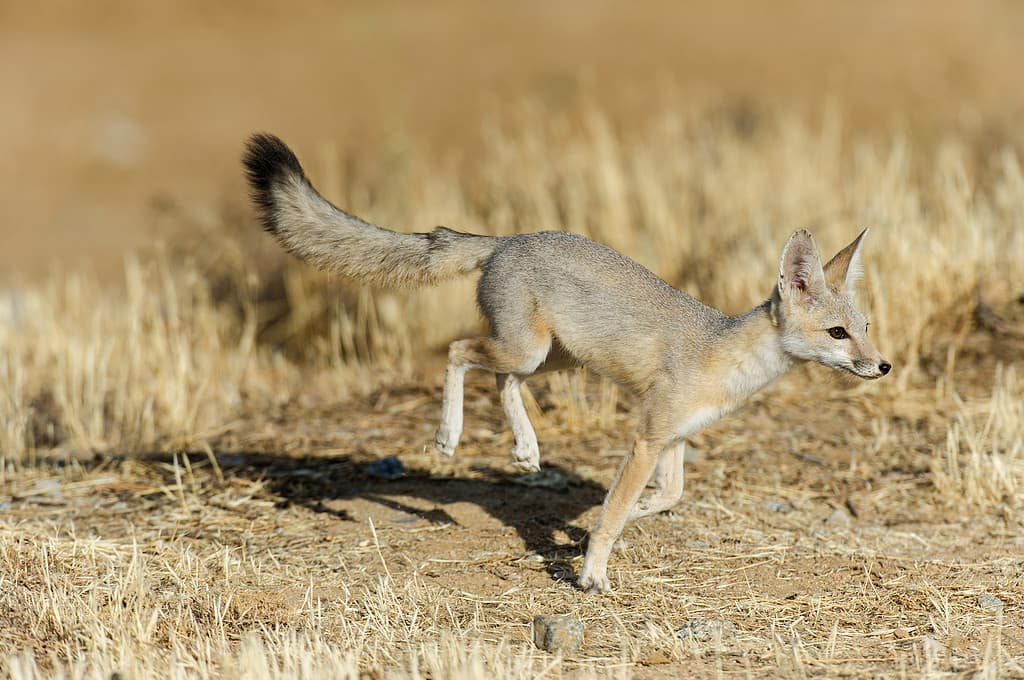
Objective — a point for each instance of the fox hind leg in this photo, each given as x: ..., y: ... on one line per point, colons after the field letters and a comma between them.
x: 526, y: 454
x: 450, y: 428
x: 462, y: 356
x: 511, y: 358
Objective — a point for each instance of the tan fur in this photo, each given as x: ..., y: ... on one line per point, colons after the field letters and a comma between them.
x: 328, y: 238
x: 555, y: 299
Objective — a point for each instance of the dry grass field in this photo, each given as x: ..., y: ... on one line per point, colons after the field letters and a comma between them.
x: 184, y: 489
x: 185, y: 427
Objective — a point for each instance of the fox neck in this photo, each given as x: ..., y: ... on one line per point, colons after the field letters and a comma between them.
x: 754, y: 351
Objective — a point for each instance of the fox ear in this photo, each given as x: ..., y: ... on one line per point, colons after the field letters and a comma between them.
x: 800, y: 273
x: 844, y: 270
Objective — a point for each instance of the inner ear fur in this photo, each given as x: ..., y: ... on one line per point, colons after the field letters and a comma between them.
x: 800, y: 272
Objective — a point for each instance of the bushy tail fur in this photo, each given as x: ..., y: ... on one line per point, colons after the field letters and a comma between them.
x: 314, y: 230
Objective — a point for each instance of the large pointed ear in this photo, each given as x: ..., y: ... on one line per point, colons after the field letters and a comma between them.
x: 800, y: 274
x: 844, y: 270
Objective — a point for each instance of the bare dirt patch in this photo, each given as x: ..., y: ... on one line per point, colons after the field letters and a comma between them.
x: 823, y: 542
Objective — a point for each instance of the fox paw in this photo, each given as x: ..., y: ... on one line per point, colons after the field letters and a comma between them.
x: 646, y: 507
x: 443, y: 442
x: 526, y: 466
x: 526, y: 459
x: 594, y: 584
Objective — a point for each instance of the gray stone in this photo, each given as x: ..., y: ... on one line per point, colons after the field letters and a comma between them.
x: 838, y: 518
x: 775, y: 505
x: 990, y: 603
x: 706, y: 630
x: 557, y: 634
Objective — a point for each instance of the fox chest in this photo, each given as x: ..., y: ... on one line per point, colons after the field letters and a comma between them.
x: 694, y: 414
x: 693, y: 420
x: 715, y: 385
x: 702, y: 406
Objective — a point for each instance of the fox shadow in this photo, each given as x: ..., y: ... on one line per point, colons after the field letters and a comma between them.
x: 323, y: 484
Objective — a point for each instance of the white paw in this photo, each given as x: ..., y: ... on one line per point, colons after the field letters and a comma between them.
x: 444, y: 442
x: 526, y: 458
x: 526, y: 466
x: 644, y: 508
x: 651, y: 505
x: 594, y: 584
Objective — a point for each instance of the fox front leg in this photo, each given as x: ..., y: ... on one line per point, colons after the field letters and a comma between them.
x: 629, y: 483
x: 668, y: 485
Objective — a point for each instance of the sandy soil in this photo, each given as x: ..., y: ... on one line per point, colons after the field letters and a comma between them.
x: 826, y: 560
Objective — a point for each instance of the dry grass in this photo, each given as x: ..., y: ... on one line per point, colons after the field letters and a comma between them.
x: 984, y: 453
x: 182, y: 475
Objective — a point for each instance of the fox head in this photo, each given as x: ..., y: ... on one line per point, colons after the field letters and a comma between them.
x: 813, y: 307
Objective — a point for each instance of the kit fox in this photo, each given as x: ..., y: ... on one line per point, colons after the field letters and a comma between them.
x: 555, y: 299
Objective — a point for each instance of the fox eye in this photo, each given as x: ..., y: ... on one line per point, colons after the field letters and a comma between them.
x: 838, y: 333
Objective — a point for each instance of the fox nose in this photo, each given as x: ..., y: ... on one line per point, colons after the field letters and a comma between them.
x: 885, y: 367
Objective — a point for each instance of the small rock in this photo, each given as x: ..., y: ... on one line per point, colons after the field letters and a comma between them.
x: 557, y: 634
x: 838, y: 518
x: 43, y: 489
x: 386, y: 468
x: 990, y: 603
x: 775, y: 505
x: 706, y: 630
x: 48, y: 487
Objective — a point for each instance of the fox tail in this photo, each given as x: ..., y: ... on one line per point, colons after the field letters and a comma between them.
x: 311, y: 228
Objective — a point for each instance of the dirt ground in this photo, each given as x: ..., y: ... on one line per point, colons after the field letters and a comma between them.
x: 826, y: 561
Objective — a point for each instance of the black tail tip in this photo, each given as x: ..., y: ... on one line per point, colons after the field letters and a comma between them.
x: 268, y: 160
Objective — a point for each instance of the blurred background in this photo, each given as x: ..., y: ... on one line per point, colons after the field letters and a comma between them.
x: 123, y: 122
